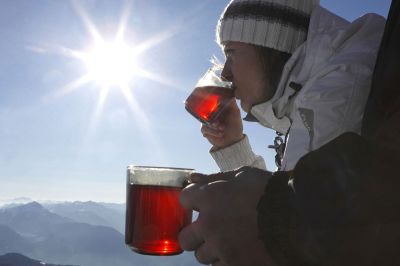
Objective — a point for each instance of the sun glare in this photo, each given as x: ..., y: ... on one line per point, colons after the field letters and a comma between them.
x: 111, y: 64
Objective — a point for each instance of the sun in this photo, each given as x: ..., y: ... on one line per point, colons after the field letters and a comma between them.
x: 111, y: 64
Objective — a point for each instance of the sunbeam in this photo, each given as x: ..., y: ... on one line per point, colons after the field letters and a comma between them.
x: 124, y: 20
x: 157, y: 78
x: 145, y: 125
x: 96, y: 114
x: 67, y: 89
x: 87, y: 22
x: 137, y: 111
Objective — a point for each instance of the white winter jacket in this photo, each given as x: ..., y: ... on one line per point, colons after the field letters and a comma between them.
x: 334, y: 68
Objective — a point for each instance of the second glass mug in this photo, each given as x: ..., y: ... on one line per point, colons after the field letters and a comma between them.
x: 154, y: 215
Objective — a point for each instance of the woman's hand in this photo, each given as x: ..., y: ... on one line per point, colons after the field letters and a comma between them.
x: 227, y: 130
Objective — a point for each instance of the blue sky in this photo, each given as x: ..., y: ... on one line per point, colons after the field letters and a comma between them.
x: 60, y: 141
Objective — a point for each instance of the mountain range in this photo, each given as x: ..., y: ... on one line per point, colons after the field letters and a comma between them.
x: 76, y: 233
x: 90, y: 212
x: 15, y: 259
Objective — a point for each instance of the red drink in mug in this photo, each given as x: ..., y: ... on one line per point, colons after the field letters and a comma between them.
x: 207, y: 103
x: 154, y: 215
x: 210, y: 97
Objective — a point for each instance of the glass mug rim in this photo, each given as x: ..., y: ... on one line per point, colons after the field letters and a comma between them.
x: 180, y: 169
x: 158, y: 176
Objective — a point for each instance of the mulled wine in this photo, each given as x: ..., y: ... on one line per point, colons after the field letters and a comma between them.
x: 207, y: 103
x: 154, y: 215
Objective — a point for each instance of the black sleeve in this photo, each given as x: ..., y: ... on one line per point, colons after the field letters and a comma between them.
x: 277, y: 220
x: 384, y: 98
x: 299, y: 217
x: 335, y: 208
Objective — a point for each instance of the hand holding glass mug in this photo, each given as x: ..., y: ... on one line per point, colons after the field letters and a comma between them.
x: 212, y: 102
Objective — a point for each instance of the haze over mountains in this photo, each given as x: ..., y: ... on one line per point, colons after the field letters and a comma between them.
x: 74, y: 233
x: 15, y: 259
x: 92, y: 213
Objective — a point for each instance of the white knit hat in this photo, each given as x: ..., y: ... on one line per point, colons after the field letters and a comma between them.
x: 277, y: 24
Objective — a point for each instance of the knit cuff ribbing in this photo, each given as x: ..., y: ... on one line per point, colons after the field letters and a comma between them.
x: 237, y: 155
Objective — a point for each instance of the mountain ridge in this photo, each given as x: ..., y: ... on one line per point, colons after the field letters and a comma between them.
x: 16, y: 259
x: 66, y: 241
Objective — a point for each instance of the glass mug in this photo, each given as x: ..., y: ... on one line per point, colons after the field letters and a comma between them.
x: 154, y: 215
x: 210, y: 97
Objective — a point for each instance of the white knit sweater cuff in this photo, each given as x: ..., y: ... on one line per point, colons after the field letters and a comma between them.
x: 237, y: 155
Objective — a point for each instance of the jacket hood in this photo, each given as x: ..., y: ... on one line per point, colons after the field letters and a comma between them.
x: 274, y: 113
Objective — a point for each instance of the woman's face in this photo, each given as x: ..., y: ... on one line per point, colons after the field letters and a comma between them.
x: 244, y: 68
